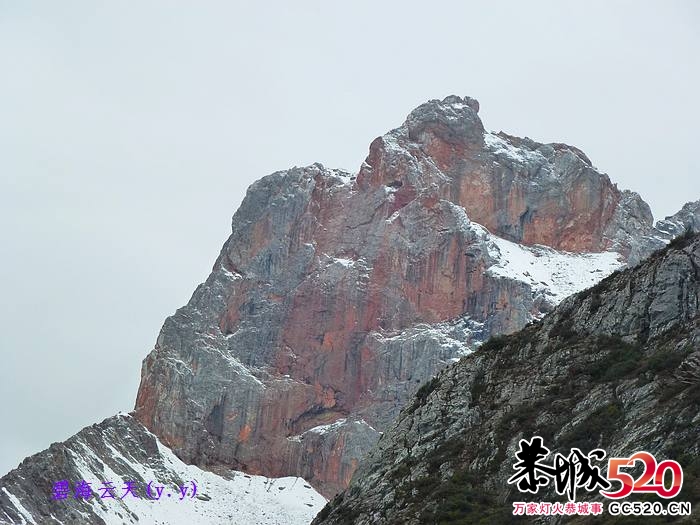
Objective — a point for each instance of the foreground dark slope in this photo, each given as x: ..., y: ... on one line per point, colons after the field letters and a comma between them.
x: 616, y: 366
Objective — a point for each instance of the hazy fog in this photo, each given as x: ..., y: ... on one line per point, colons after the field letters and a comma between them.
x: 130, y: 130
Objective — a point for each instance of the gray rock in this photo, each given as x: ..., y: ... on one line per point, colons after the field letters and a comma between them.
x: 615, y: 366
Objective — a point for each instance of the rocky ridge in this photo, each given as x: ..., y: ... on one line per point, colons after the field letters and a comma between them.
x: 120, y: 450
x: 336, y: 295
x: 616, y: 366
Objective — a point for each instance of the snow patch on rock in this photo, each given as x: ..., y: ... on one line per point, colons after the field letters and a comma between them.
x: 555, y: 273
x: 233, y: 497
x: 500, y: 146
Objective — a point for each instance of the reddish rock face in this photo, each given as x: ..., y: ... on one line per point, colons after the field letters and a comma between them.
x: 336, y: 295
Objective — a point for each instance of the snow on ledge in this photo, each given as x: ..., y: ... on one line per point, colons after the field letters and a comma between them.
x: 330, y: 427
x: 324, y: 429
x: 557, y: 274
x: 551, y: 273
x: 499, y: 145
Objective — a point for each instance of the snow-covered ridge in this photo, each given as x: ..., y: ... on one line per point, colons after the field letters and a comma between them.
x: 556, y: 274
x: 344, y: 178
x: 501, y: 146
x: 116, y: 451
x: 551, y: 273
x: 25, y: 515
x: 242, y: 498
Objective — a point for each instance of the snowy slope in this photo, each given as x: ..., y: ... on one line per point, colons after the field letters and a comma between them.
x: 119, y: 450
x: 554, y: 273
x: 238, y: 498
x: 551, y: 274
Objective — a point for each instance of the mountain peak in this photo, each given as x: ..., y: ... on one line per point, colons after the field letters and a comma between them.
x: 454, y: 120
x: 332, y: 299
x: 336, y: 296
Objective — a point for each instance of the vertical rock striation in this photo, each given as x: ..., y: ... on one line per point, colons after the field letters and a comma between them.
x: 337, y: 294
x: 616, y: 366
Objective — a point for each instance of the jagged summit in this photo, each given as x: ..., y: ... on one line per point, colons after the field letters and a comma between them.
x: 453, y: 120
x: 337, y: 294
x: 119, y: 449
x: 335, y: 297
x: 687, y: 218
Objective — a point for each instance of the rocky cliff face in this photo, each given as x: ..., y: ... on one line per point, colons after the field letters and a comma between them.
x: 337, y: 295
x: 616, y: 366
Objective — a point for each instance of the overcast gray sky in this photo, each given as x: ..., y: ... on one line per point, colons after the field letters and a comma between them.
x: 130, y: 130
